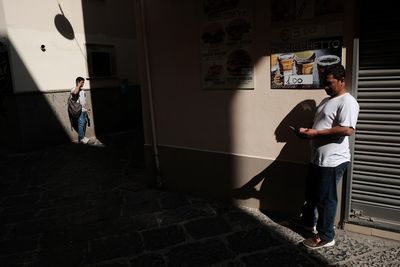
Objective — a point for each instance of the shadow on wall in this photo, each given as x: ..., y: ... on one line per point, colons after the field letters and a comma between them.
x: 117, y: 111
x: 116, y: 105
x: 279, y: 187
x: 5, y: 77
x: 34, y: 119
x: 187, y: 116
x: 30, y: 119
x: 116, y: 99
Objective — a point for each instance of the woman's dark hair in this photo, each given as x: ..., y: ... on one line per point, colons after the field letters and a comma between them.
x: 337, y: 71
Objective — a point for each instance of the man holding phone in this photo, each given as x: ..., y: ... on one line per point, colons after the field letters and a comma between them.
x: 335, y: 120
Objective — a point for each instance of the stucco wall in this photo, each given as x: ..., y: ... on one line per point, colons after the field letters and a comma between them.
x: 226, y: 143
x: 42, y: 78
x: 241, y: 122
x: 65, y: 59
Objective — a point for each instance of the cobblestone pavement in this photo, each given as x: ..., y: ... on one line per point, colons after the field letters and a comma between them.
x: 76, y: 205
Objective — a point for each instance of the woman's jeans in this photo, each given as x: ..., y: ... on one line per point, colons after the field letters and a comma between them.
x: 321, y: 198
x: 82, y: 121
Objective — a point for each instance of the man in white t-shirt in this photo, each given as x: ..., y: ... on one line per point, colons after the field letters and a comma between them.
x: 335, y: 120
x: 78, y: 93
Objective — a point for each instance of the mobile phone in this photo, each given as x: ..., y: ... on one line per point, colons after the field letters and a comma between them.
x: 294, y: 129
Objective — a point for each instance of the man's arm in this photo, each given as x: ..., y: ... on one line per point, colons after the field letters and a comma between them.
x: 335, y: 131
x: 75, y: 91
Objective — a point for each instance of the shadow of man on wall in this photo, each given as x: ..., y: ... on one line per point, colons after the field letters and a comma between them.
x: 280, y: 186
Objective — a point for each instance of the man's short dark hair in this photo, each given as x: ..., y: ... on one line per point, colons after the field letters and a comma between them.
x: 337, y: 71
x: 79, y: 79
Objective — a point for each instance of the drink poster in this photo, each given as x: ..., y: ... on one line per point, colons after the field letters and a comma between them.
x: 226, y: 45
x: 302, y: 65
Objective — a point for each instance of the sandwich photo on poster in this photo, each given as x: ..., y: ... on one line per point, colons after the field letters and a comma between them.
x: 226, y: 45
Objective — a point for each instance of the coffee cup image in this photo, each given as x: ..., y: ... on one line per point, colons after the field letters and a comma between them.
x: 304, y: 62
x: 276, y: 77
x: 323, y: 62
x: 286, y: 63
x: 274, y: 60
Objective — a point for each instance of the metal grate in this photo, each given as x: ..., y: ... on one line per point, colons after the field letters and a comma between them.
x: 375, y: 183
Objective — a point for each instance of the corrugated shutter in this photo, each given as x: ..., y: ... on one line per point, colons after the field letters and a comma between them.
x: 375, y: 183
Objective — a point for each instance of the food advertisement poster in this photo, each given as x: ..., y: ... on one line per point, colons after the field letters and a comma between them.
x: 226, y: 41
x: 296, y: 10
x: 301, y: 65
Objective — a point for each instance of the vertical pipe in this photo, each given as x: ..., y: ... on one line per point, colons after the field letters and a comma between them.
x: 159, y: 180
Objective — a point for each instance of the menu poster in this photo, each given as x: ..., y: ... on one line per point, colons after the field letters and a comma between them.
x: 301, y: 65
x: 226, y: 44
x: 295, y: 10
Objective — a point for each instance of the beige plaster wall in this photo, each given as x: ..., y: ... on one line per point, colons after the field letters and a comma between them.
x: 232, y: 144
x: 42, y: 80
x: 31, y: 24
x: 3, y: 28
x: 239, y: 122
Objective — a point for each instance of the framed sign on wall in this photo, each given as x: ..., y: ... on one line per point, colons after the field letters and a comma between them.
x: 301, y: 65
x: 226, y: 40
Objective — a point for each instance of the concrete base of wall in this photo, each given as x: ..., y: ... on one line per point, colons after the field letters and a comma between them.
x: 8, y: 122
x: 37, y: 119
x: 117, y: 109
x: 274, y: 187
x: 34, y: 120
x: 371, y: 231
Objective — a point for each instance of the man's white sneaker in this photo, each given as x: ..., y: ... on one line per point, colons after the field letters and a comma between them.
x: 315, y: 242
x: 84, y: 140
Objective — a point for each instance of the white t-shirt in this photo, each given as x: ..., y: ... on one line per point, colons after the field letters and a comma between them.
x: 331, y: 151
x: 82, y: 99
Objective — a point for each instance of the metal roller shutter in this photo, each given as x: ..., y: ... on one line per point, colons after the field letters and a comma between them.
x: 375, y: 177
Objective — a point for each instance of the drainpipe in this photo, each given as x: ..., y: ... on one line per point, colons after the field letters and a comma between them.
x: 159, y: 180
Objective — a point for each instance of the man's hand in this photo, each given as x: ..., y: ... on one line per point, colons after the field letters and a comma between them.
x: 308, y: 133
x: 335, y: 131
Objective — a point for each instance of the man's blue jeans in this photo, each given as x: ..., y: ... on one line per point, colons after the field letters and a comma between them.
x: 321, y: 198
x: 82, y: 121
